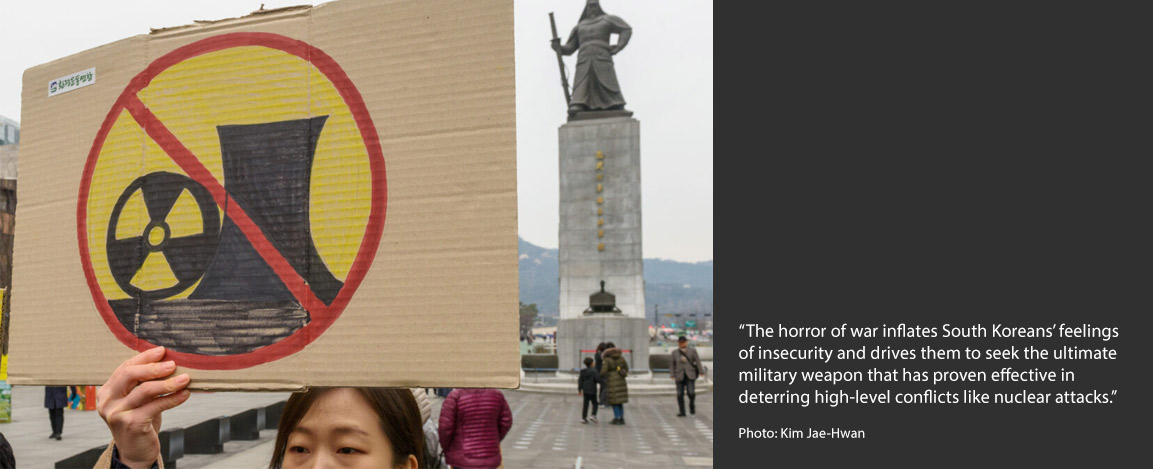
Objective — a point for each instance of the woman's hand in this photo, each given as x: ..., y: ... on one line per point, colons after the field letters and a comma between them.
x: 131, y: 401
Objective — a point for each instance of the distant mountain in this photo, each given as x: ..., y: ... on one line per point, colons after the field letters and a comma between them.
x: 677, y: 287
x: 539, y: 277
x: 698, y: 274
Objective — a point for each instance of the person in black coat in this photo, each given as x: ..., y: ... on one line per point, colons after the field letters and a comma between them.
x: 587, y: 385
x: 603, y: 395
x: 55, y: 400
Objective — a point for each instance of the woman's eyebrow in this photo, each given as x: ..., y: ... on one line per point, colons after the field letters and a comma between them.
x: 339, y: 429
x: 342, y: 429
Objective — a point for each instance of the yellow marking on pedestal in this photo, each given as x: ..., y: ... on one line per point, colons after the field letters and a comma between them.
x: 600, y: 233
x: 600, y: 200
x: 600, y: 177
x: 601, y: 247
x: 600, y: 165
x: 601, y: 222
x: 600, y: 155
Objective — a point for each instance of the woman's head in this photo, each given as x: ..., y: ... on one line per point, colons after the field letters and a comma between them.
x: 350, y: 427
x: 601, y: 347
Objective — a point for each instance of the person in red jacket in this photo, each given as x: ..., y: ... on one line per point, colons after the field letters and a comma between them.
x: 472, y: 424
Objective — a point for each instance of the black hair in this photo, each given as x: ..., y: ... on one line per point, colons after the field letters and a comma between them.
x: 7, y: 459
x: 588, y: 361
x: 396, y: 407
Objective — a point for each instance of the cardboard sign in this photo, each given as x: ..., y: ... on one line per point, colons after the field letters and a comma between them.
x: 3, y: 332
x: 317, y: 196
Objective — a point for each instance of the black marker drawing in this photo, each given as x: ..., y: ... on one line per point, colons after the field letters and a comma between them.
x: 240, y: 303
x: 188, y: 256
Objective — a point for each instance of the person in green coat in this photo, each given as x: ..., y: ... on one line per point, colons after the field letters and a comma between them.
x: 614, y: 369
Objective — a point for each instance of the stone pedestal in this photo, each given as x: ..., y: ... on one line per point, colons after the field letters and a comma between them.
x: 600, y: 237
x: 574, y: 335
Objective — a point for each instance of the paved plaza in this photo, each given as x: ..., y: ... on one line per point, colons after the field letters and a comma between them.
x: 546, y: 432
x: 28, y: 431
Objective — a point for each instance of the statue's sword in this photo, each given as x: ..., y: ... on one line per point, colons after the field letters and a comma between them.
x: 560, y: 61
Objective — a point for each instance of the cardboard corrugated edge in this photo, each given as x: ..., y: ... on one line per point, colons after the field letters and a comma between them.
x: 255, y: 17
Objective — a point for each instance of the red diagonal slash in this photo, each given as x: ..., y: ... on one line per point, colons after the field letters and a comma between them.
x: 191, y: 165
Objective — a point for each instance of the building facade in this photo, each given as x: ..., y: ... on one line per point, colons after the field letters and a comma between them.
x: 9, y: 131
x: 9, y: 140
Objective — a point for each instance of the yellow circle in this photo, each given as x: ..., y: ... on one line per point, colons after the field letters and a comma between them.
x: 156, y: 236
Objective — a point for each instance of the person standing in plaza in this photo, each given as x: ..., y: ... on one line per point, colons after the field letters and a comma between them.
x: 471, y: 426
x: 599, y: 359
x: 684, y: 368
x: 55, y: 400
x: 614, y: 370
x: 587, y: 386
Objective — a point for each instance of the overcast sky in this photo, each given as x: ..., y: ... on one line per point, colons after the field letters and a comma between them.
x: 665, y: 72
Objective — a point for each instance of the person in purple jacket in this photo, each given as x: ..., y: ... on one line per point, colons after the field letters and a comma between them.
x: 472, y: 424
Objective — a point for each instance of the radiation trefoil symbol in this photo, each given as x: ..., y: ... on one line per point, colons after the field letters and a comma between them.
x: 232, y: 201
x: 160, y: 247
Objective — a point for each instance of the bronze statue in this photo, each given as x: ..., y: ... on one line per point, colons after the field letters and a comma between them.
x: 595, y: 86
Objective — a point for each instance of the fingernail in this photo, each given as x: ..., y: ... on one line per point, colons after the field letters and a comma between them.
x: 154, y: 349
x: 182, y: 379
x: 169, y: 364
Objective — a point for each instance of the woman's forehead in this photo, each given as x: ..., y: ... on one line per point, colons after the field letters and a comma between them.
x: 341, y: 408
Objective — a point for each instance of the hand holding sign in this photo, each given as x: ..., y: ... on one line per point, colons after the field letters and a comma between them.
x: 222, y: 192
x: 131, y: 401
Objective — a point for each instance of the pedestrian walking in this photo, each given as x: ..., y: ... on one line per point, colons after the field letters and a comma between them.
x: 685, y: 367
x: 614, y: 370
x: 587, y: 385
x: 55, y: 400
x: 472, y: 424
